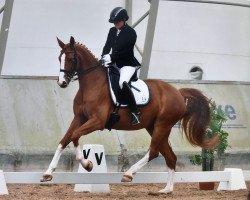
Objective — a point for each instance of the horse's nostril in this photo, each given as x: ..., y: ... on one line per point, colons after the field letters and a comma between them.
x: 64, y: 84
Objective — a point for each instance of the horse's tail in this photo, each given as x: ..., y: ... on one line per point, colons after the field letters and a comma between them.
x: 196, y: 119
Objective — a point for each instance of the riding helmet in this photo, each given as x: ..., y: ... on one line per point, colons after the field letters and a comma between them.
x: 118, y: 14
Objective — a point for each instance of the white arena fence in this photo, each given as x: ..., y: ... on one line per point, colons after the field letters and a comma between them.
x: 234, y: 179
x: 115, y: 177
x: 229, y: 179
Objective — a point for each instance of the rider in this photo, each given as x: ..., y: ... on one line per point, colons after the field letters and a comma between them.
x: 121, y: 39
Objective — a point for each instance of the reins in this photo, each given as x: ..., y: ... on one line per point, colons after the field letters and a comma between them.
x: 90, y: 69
x: 74, y: 71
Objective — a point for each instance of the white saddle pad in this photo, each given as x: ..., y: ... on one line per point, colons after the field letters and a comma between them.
x: 140, y: 91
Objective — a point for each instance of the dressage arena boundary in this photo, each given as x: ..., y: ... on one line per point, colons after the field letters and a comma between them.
x: 115, y: 177
x: 228, y: 179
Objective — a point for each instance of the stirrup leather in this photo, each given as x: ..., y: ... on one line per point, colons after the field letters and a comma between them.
x: 135, y: 118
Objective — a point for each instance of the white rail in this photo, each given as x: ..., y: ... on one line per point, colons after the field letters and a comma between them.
x: 115, y: 177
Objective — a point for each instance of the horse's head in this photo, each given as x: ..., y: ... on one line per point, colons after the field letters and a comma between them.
x: 69, y: 71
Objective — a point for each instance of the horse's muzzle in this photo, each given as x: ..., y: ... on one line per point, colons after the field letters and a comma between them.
x: 62, y: 84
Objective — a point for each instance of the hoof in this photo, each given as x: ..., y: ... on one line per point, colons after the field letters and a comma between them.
x: 46, y: 178
x: 89, y: 167
x: 127, y: 178
x: 165, y: 191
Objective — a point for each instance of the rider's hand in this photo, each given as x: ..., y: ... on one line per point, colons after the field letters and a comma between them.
x: 106, y: 60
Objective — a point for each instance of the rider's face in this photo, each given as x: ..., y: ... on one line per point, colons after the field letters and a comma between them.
x: 119, y: 24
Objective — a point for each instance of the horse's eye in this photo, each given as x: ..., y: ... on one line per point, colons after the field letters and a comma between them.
x: 70, y: 60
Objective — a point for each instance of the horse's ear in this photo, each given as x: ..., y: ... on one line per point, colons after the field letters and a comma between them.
x: 61, y: 44
x: 72, y: 41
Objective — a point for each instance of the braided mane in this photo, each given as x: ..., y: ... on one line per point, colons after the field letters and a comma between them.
x: 86, y: 48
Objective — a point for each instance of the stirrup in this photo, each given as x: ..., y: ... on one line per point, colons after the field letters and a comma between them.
x: 135, y: 118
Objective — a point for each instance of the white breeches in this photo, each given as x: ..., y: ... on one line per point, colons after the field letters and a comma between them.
x: 126, y: 73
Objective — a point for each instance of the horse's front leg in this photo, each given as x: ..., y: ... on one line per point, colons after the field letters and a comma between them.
x: 86, y: 164
x: 88, y: 127
x: 47, y: 176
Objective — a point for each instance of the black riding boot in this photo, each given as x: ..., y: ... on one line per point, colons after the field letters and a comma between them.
x: 129, y: 96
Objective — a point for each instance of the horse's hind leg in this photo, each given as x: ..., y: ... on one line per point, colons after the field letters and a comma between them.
x: 170, y: 158
x: 160, y: 143
x: 157, y: 134
x: 128, y: 176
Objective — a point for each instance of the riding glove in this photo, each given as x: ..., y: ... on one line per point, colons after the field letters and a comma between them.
x: 107, y: 60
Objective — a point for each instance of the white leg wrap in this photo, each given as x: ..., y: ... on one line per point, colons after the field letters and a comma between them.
x: 79, y: 157
x: 55, y: 160
x: 137, y: 166
x: 170, y: 182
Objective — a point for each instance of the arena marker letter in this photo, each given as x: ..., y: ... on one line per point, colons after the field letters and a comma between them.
x: 94, y: 153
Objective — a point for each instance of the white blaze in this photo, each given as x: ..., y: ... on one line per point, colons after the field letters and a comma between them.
x: 61, y: 78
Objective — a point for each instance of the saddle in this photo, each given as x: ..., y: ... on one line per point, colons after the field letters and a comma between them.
x: 138, y: 87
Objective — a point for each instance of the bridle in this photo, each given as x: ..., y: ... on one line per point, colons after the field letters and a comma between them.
x: 74, y: 74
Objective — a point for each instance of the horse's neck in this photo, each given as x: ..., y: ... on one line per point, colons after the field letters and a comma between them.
x: 92, y: 86
x: 92, y: 81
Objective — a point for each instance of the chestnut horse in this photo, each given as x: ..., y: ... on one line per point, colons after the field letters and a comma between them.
x: 93, y: 106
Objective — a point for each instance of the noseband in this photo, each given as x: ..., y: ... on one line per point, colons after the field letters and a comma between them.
x: 74, y: 72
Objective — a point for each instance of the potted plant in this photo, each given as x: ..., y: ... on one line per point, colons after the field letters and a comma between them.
x: 206, y: 157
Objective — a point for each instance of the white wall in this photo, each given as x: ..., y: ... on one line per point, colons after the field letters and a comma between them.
x: 216, y: 37
x: 32, y: 111
x: 32, y: 48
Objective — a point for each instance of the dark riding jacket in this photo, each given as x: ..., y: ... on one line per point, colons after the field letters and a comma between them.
x: 122, y: 46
